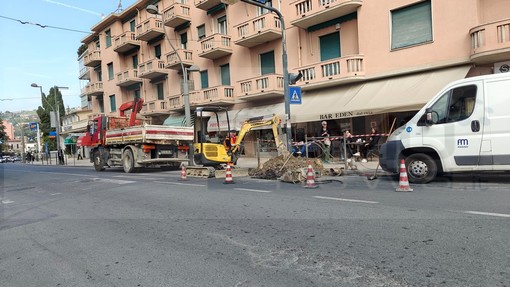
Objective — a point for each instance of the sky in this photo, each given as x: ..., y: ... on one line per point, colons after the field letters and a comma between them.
x: 45, y: 56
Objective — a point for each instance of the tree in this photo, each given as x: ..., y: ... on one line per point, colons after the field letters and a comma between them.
x: 48, y: 105
x: 3, y: 136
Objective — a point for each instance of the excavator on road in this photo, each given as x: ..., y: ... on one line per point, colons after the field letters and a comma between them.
x: 212, y: 153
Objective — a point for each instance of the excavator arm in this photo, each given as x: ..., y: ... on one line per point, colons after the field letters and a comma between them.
x: 252, y: 123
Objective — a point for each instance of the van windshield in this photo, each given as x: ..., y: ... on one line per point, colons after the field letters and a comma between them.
x: 454, y: 105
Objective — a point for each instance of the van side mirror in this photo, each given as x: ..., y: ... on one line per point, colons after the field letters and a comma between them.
x: 428, y: 117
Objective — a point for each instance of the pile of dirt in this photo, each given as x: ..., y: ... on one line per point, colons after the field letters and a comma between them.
x: 275, y: 167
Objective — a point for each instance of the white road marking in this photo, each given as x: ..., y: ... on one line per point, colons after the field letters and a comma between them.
x: 180, y: 183
x: 255, y: 190
x: 487, y: 213
x: 63, y: 173
x: 117, y: 181
x: 57, y: 193
x: 346, y: 199
x: 7, y: 201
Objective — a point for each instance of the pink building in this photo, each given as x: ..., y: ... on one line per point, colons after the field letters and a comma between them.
x: 364, y: 63
x: 9, y: 129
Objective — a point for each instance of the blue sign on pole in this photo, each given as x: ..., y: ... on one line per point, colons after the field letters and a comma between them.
x: 33, y: 126
x: 295, y: 95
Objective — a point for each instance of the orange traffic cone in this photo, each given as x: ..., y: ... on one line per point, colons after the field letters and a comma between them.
x: 183, y: 173
x: 228, y: 175
x: 403, y: 183
x: 310, y: 177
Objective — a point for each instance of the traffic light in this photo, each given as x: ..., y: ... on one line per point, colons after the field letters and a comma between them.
x: 293, y: 78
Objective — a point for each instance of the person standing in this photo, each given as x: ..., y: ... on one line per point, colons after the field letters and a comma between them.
x: 324, y: 134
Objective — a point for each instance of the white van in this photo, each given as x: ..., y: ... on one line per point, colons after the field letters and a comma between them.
x: 465, y: 128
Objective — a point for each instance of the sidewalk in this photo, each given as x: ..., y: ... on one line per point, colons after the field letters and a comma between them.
x: 249, y: 162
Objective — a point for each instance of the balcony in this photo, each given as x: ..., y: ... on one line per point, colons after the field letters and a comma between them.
x: 93, y: 89
x: 173, y: 61
x: 125, y: 42
x: 220, y: 95
x: 177, y: 14
x: 157, y: 107
x: 262, y: 87
x: 84, y: 73
x: 128, y: 77
x: 332, y: 72
x: 263, y: 29
x: 312, y: 12
x: 149, y: 29
x: 207, y: 4
x: 490, y: 42
x: 152, y: 69
x: 92, y: 59
x: 215, y: 46
x: 175, y: 103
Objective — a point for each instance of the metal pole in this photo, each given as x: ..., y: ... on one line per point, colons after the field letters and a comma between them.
x: 38, y: 142
x: 23, y: 159
x: 286, y: 91
x: 57, y: 128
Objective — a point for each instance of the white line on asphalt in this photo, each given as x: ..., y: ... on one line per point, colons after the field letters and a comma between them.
x: 255, y: 190
x: 180, y: 183
x: 7, y: 201
x: 346, y: 199
x: 75, y: 174
x: 57, y: 193
x: 117, y: 181
x: 488, y: 213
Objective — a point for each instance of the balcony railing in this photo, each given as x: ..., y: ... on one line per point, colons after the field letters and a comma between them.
x: 175, y: 102
x: 490, y: 42
x: 312, y: 12
x: 125, y: 42
x: 155, y: 107
x: 343, y: 69
x: 265, y: 86
x: 93, y: 89
x: 92, y: 59
x: 152, y: 69
x: 213, y: 95
x: 149, y: 29
x: 177, y: 14
x: 128, y: 77
x: 215, y: 46
x: 173, y: 61
x: 85, y: 73
x: 257, y: 31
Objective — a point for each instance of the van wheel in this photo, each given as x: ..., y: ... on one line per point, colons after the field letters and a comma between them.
x: 98, y: 161
x: 128, y: 161
x: 421, y: 168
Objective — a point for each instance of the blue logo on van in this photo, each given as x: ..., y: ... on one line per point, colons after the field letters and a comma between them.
x: 409, y: 129
x: 462, y: 143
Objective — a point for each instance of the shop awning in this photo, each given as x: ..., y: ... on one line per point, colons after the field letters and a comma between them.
x: 405, y: 93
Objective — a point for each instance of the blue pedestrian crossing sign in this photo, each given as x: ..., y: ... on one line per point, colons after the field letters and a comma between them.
x: 295, y: 95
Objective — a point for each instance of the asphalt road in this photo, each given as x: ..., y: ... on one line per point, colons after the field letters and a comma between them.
x: 64, y: 226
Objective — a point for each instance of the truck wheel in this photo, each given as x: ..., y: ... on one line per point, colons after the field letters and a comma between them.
x: 98, y: 161
x: 128, y: 161
x: 421, y: 168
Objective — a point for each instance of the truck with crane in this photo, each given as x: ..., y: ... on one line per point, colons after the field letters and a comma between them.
x: 132, y: 143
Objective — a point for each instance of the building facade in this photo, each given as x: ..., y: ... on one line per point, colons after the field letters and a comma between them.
x: 364, y: 63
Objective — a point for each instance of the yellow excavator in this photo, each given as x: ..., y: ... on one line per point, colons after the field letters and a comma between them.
x: 213, y: 148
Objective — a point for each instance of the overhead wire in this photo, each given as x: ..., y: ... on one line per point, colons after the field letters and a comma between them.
x: 43, y: 26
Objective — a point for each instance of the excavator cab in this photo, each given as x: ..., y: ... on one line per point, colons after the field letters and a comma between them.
x: 210, y: 148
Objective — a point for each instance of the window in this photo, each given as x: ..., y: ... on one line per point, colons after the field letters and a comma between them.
x: 98, y: 46
x: 161, y: 95
x: 110, y: 71
x: 108, y: 38
x: 99, y: 73
x: 222, y: 25
x: 184, y: 40
x: 455, y: 105
x: 136, y: 94
x: 134, y: 60
x: 330, y: 46
x: 204, y: 79
x: 262, y: 11
x: 100, y: 104
x: 267, y: 65
x: 132, y: 25
x: 201, y: 32
x: 113, y: 106
x: 157, y: 51
x: 411, y: 25
x: 225, y: 75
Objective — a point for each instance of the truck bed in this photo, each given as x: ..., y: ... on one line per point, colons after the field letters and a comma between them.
x: 152, y: 134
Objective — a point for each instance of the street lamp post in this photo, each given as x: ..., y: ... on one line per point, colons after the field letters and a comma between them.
x: 152, y: 9
x: 56, y: 110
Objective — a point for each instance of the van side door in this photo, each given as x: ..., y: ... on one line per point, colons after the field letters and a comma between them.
x: 496, y: 140
x: 456, y: 128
